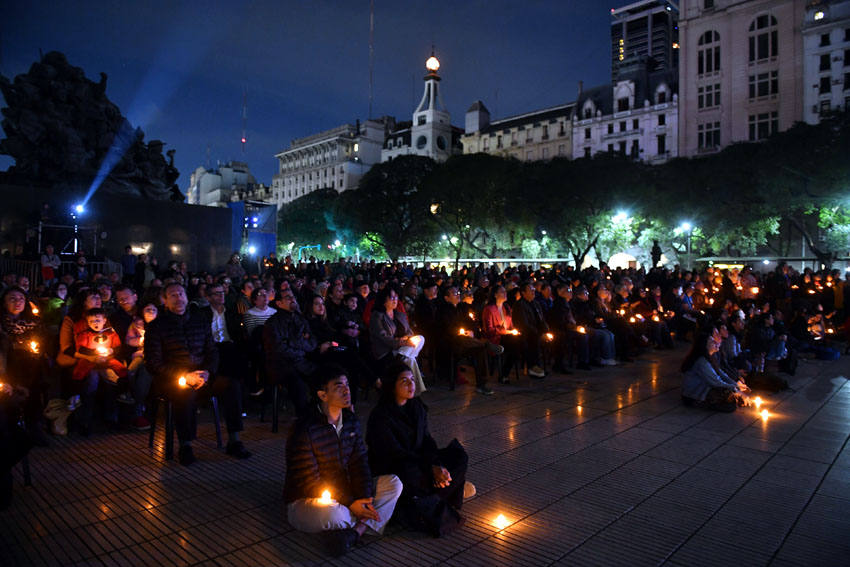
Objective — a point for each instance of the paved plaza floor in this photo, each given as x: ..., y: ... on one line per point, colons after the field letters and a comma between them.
x: 597, y: 468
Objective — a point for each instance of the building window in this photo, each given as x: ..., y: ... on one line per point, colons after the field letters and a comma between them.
x: 824, y: 62
x: 846, y: 81
x: 562, y: 150
x: 562, y: 132
x: 545, y: 132
x: 847, y: 57
x: 528, y: 155
x: 708, y: 135
x: 513, y: 138
x: 708, y: 96
x: 622, y: 104
x: 635, y: 124
x: 635, y: 149
x: 529, y: 136
x: 587, y: 133
x: 708, y: 53
x: 764, y: 85
x: 420, y: 121
x: 825, y: 106
x: 588, y: 112
x: 662, y: 144
x: 764, y: 38
x: 610, y: 148
x: 622, y: 148
x: 545, y: 153
x: 847, y: 34
x: 662, y: 119
x: 611, y: 128
x: 498, y: 142
x: 824, y: 39
x: 623, y: 126
x: 486, y: 144
x: 662, y: 97
x: 825, y: 86
x: 763, y: 125
x: 707, y: 4
x: 587, y: 152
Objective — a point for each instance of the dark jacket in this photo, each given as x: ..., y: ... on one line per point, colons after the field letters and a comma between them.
x: 287, y: 340
x: 561, y: 315
x: 528, y: 318
x: 232, y: 319
x: 177, y: 344
x: 399, y: 442
x: 318, y: 460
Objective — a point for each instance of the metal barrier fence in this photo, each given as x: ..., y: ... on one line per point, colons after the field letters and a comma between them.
x: 32, y: 270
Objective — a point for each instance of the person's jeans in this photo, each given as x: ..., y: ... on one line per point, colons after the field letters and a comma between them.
x: 88, y: 395
x: 308, y: 515
x: 602, y: 344
x: 183, y: 405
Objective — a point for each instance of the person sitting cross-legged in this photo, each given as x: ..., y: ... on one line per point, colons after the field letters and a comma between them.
x: 400, y: 444
x: 326, y: 453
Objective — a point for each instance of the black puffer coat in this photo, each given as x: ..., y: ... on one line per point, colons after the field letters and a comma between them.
x: 177, y: 344
x: 318, y: 460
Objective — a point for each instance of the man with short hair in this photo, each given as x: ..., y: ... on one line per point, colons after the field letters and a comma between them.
x: 450, y: 321
x: 528, y: 319
x: 325, y: 451
x: 140, y: 381
x: 128, y: 264
x: 180, y: 344
x: 287, y: 340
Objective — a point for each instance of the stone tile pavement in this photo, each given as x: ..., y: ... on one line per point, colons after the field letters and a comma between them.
x: 597, y: 468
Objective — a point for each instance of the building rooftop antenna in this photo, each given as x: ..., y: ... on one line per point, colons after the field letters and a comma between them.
x: 371, y: 50
x: 244, y: 120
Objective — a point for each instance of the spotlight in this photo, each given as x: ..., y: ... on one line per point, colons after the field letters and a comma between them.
x: 252, y: 250
x: 79, y: 209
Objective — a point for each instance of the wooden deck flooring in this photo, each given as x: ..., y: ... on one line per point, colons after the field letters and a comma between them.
x: 598, y: 468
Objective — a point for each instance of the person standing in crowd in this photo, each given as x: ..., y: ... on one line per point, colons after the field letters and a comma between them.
x: 128, y: 265
x: 50, y: 264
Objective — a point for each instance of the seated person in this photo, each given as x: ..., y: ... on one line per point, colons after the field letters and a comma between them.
x: 703, y: 386
x: 325, y: 452
x: 348, y: 322
x: 400, y: 444
x: 97, y: 366
x: 390, y: 334
x: 529, y: 320
x: 563, y: 322
x: 451, y: 321
x: 180, y: 344
x: 499, y: 329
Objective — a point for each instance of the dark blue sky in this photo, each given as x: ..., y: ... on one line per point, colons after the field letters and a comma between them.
x: 178, y: 69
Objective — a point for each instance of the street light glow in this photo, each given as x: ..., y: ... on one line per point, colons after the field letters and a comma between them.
x: 621, y: 216
x: 252, y: 250
x: 337, y: 243
x: 686, y: 226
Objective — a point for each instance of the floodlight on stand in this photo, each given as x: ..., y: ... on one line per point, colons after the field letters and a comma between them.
x: 252, y: 250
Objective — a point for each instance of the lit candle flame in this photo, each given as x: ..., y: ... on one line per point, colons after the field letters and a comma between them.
x: 755, y: 290
x: 631, y: 319
x: 514, y: 332
x: 581, y: 330
x: 102, y: 351
x: 711, y: 301
x: 830, y: 331
x: 764, y: 414
x: 462, y: 331
x: 579, y: 408
x: 34, y: 346
x: 182, y: 381
x: 501, y: 522
x: 34, y: 309
x: 472, y: 315
x: 656, y: 318
x: 550, y: 336
x: 811, y: 291
x: 757, y: 402
x: 326, y: 498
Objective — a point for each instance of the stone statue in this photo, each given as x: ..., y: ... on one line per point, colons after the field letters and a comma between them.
x: 61, y: 128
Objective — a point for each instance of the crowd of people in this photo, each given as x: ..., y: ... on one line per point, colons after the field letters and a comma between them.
x: 87, y: 351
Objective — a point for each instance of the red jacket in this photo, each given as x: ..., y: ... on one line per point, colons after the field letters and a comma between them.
x: 493, y: 327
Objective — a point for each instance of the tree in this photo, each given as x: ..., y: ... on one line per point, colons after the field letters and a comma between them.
x: 391, y: 207
x: 307, y: 221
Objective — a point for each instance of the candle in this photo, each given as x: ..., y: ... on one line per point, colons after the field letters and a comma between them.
x: 462, y: 331
x: 142, y: 340
x: 656, y: 318
x: 550, y: 336
x: 415, y: 340
x: 472, y: 315
x: 830, y: 331
x: 34, y: 309
x: 811, y: 291
x: 581, y: 330
x: 764, y: 414
x: 711, y: 301
x: 182, y: 381
x: 102, y: 351
x: 757, y: 402
x: 501, y: 522
x: 755, y: 290
x: 514, y: 332
x: 631, y: 319
x: 828, y: 284
x: 34, y: 346
x: 326, y: 499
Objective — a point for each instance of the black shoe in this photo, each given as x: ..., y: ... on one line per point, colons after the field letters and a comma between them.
x: 238, y: 450
x: 584, y: 366
x: 504, y: 380
x: 338, y: 542
x: 185, y: 455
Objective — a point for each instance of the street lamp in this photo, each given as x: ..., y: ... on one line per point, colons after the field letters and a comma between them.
x: 687, y: 227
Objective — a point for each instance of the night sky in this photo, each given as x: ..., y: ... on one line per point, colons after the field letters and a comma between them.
x: 178, y: 69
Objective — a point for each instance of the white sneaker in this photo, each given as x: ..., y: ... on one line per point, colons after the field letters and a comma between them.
x: 126, y: 398
x: 536, y: 371
x: 609, y: 362
x: 468, y: 490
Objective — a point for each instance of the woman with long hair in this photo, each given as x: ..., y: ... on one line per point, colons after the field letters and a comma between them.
x: 399, y: 443
x: 390, y: 334
x: 703, y: 386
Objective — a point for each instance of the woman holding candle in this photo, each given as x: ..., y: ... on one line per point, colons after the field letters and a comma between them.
x: 498, y: 329
x: 390, y: 334
x: 21, y: 358
x: 400, y: 444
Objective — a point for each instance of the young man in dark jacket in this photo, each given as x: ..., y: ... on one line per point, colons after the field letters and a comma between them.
x: 179, y: 345
x: 326, y: 453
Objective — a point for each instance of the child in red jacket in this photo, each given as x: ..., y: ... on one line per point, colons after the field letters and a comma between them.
x: 95, y: 347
